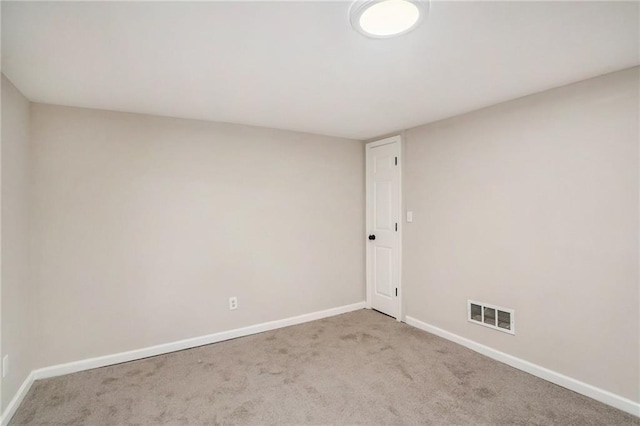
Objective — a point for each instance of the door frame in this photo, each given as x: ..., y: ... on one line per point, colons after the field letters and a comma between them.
x: 386, y: 141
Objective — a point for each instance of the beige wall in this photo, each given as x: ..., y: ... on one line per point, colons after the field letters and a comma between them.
x: 145, y: 226
x: 18, y: 307
x: 533, y: 205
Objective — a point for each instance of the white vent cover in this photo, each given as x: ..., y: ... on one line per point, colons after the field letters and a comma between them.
x: 501, y: 319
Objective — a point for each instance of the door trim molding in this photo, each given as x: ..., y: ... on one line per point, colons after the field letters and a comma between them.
x: 386, y: 141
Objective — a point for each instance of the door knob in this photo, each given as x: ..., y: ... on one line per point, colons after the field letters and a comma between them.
x: 372, y: 237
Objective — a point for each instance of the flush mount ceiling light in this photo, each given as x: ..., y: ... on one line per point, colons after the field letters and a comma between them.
x: 386, y: 18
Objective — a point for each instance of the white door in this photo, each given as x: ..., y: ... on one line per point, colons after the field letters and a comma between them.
x: 383, y: 225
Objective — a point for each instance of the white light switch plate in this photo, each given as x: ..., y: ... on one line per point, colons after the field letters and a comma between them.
x: 409, y: 216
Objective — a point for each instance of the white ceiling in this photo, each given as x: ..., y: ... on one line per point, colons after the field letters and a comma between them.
x: 300, y: 66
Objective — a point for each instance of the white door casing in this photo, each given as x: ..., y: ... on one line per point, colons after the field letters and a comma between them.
x: 383, y: 186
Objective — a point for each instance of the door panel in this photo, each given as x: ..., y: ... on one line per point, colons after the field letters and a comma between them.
x: 383, y: 225
x: 384, y: 267
x: 382, y: 205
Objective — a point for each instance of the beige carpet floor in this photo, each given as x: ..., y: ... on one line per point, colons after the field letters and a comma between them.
x: 357, y: 368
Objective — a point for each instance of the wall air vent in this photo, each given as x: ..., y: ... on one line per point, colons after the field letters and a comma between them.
x: 491, y: 316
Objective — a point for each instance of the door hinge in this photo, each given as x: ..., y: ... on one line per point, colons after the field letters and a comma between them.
x: 396, y: 226
x: 396, y: 161
x: 396, y: 292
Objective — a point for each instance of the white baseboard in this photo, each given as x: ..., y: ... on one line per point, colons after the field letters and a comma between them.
x: 598, y: 394
x: 17, y: 400
x: 103, y: 361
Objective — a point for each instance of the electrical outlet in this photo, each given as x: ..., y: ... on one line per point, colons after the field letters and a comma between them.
x: 233, y: 303
x: 5, y: 366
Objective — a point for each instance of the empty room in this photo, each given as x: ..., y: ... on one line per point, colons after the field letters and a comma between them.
x: 371, y: 212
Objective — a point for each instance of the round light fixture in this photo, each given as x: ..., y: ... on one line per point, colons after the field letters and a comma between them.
x: 386, y: 18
